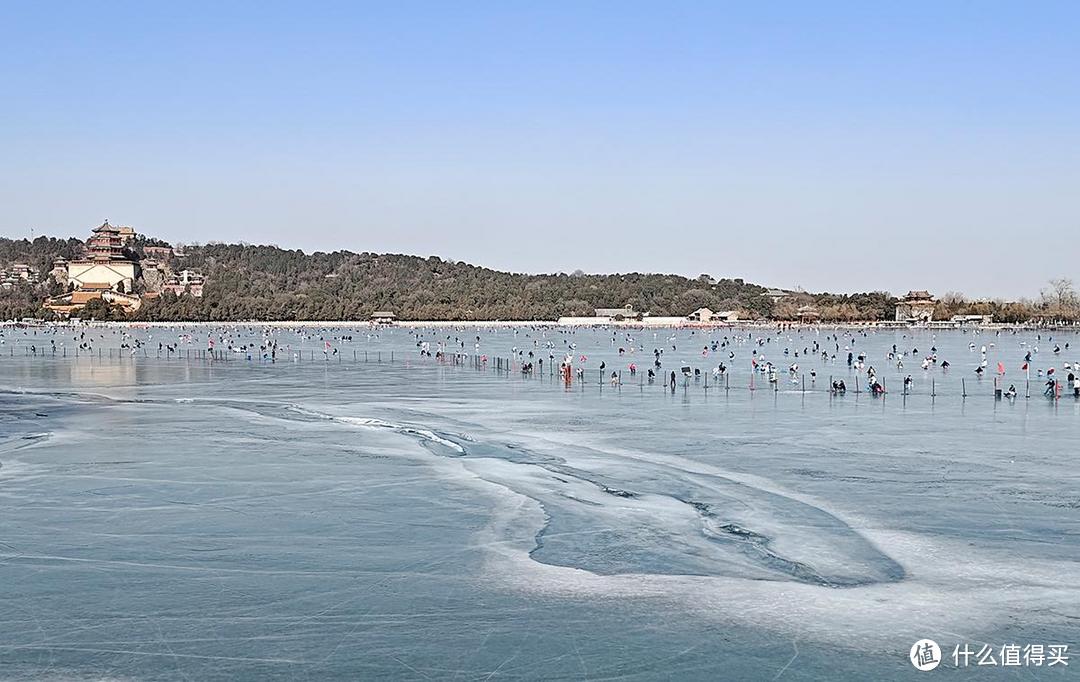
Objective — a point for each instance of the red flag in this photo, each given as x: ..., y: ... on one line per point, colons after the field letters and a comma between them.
x: 1025, y: 367
x: 1001, y: 368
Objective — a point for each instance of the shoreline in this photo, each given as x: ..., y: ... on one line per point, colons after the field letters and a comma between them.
x: 664, y: 323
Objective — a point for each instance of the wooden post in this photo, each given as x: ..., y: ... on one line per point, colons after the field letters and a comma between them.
x: 963, y: 387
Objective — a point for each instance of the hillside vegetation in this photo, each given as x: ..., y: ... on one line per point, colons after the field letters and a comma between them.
x: 266, y: 282
x: 245, y: 282
x: 248, y: 282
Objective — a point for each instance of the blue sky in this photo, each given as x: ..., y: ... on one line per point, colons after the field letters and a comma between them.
x: 834, y: 146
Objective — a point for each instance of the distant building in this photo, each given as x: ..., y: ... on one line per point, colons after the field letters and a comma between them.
x: 383, y: 317
x: 105, y: 260
x: 808, y: 314
x: 185, y: 282
x: 705, y: 315
x: 104, y: 271
x: 161, y: 253
x: 24, y: 272
x: 700, y: 315
x: 964, y: 320
x: 66, y: 304
x: 618, y: 314
x: 154, y: 276
x: 59, y: 270
x: 917, y: 307
x: 776, y: 294
x: 127, y: 234
x: 20, y: 272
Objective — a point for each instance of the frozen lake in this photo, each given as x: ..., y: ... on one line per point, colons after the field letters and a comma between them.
x: 336, y: 514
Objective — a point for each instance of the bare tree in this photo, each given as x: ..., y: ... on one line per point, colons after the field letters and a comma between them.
x: 1060, y: 300
x: 1062, y: 292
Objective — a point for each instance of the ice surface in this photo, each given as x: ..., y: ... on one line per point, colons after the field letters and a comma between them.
x: 327, y: 517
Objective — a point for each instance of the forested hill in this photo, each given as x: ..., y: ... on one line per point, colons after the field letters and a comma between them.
x: 270, y: 283
x: 245, y: 282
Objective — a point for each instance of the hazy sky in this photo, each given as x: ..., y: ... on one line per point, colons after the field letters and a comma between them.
x: 834, y: 146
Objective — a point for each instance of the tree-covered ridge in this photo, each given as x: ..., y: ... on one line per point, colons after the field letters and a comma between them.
x: 24, y: 299
x: 247, y: 282
x: 270, y: 283
x: 39, y: 253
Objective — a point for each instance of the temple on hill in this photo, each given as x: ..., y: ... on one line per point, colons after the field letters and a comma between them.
x: 106, y: 270
x: 917, y: 307
x: 185, y: 283
x: 106, y: 260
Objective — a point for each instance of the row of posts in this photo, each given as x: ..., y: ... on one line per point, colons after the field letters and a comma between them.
x: 198, y: 354
x: 507, y: 367
x: 504, y: 366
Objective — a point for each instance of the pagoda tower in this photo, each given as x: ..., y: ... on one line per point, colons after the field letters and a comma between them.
x: 105, y: 244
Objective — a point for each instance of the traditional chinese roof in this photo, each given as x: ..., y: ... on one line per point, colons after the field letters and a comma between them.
x: 106, y: 227
x: 84, y: 297
x: 627, y: 310
x: 920, y: 295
